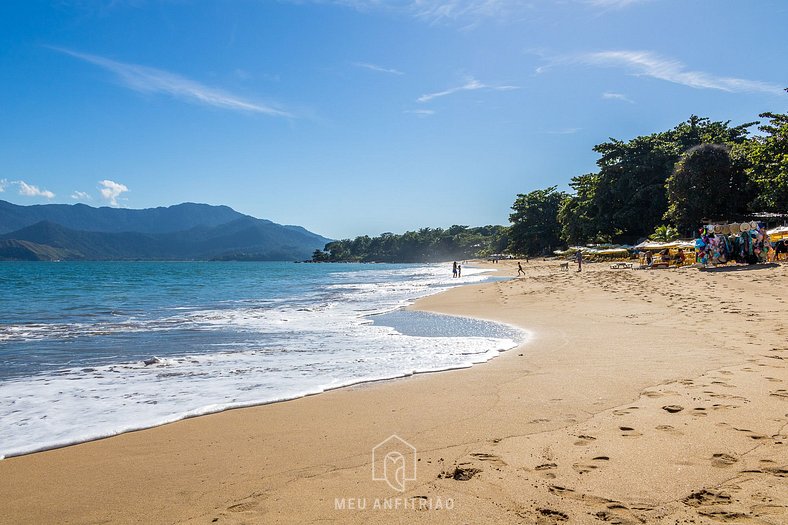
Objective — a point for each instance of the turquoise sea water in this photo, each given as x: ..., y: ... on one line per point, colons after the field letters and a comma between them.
x: 91, y: 349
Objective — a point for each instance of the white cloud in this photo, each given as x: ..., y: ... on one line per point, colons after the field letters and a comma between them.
x: 617, y: 96
x: 151, y: 80
x: 613, y: 4
x: 111, y: 190
x: 475, y: 11
x: 470, y: 85
x: 28, y: 190
x: 3, y: 184
x: 421, y: 113
x: 81, y: 196
x: 645, y: 63
x: 379, y: 69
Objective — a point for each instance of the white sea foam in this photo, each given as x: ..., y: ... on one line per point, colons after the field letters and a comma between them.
x: 296, y: 348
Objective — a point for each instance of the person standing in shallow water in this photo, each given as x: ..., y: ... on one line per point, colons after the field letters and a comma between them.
x: 459, y: 270
x: 454, y: 269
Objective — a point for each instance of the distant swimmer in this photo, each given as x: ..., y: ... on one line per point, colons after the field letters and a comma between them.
x: 520, y: 269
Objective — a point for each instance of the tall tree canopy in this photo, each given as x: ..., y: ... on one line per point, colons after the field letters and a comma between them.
x: 535, y: 227
x: 706, y: 184
x: 766, y: 160
x: 626, y: 200
x: 578, y: 215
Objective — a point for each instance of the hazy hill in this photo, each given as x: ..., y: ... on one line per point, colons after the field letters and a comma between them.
x: 87, y: 218
x: 211, y: 232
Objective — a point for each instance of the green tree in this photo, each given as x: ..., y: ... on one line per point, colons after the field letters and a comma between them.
x: 664, y: 233
x: 706, y: 184
x: 535, y: 227
x: 578, y: 214
x: 766, y: 160
x: 424, y: 245
x: 627, y: 198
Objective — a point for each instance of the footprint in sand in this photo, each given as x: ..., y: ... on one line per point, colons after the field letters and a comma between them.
x: 618, y: 514
x: 652, y: 394
x: 550, y: 516
x: 489, y: 458
x: 583, y: 440
x: 705, y: 497
x: 629, y: 432
x: 624, y: 411
x: 722, y: 460
x: 673, y: 408
x: 669, y: 429
x: 750, y: 433
x: 718, y: 406
x: 782, y: 393
x: 460, y: 473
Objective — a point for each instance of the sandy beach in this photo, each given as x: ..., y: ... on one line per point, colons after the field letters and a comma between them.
x: 641, y: 397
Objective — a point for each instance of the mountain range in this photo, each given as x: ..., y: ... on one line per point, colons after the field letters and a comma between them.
x: 186, y: 231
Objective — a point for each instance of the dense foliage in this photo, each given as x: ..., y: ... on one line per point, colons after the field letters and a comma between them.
x: 534, y: 227
x: 766, y: 163
x: 706, y: 183
x: 424, y: 245
x: 627, y: 198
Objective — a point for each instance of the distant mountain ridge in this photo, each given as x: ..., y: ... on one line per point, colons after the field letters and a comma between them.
x: 182, y: 232
x: 87, y: 218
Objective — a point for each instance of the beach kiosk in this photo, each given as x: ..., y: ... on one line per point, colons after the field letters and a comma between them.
x: 666, y: 254
x: 779, y: 239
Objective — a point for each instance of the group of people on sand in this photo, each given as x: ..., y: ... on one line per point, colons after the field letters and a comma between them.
x: 456, y: 270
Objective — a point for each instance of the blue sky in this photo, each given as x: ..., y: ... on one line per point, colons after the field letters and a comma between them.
x: 354, y: 117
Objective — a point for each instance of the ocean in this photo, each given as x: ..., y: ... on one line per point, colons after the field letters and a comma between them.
x: 93, y: 349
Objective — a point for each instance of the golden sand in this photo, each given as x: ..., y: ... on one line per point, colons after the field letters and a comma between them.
x: 642, y: 397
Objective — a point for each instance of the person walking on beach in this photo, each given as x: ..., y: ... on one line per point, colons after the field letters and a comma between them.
x: 520, y: 269
x: 579, y: 257
x: 454, y: 269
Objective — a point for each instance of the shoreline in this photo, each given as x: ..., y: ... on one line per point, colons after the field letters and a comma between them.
x: 570, y: 426
x: 196, y: 413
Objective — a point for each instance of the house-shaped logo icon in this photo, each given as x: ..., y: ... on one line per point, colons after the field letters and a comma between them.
x: 394, y: 461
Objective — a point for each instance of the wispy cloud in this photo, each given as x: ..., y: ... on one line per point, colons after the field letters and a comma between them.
x: 440, y: 10
x: 470, y: 85
x: 151, y: 80
x: 645, y: 63
x: 111, y: 190
x: 617, y: 96
x: 379, y: 69
x: 469, y: 12
x: 3, y: 184
x: 28, y: 190
x: 421, y: 113
x: 81, y: 196
x: 613, y: 4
